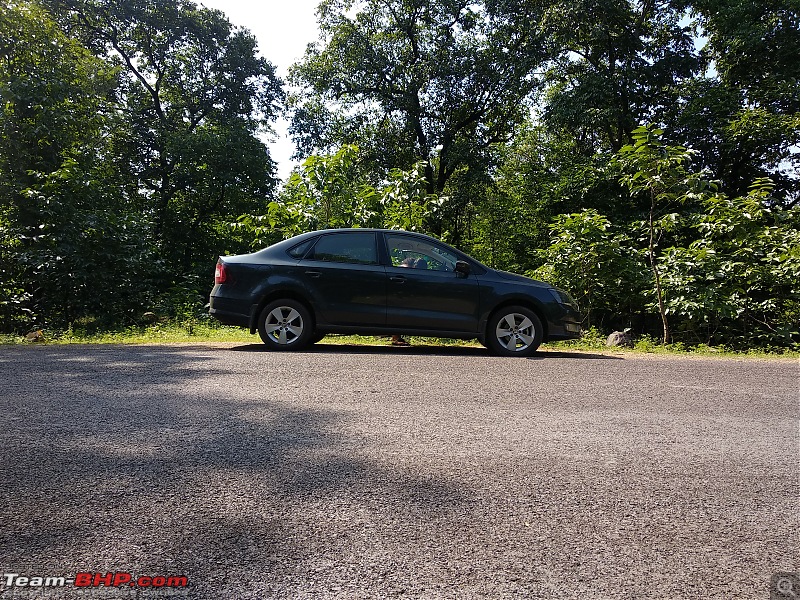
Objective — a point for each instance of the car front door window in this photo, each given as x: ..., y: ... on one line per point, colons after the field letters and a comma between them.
x: 419, y: 254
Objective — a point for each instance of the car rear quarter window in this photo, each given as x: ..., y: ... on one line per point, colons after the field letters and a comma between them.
x: 300, y: 249
x: 353, y: 248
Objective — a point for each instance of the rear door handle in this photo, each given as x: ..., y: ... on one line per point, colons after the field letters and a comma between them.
x: 314, y: 274
x: 398, y: 279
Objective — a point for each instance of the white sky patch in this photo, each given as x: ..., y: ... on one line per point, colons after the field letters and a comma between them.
x: 283, y: 30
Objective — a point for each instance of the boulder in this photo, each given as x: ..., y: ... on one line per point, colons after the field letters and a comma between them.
x: 35, y: 336
x: 620, y: 338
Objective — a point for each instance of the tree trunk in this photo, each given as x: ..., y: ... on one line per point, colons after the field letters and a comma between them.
x: 656, y: 274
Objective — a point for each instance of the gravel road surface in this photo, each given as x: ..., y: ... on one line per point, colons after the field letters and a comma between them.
x: 429, y: 472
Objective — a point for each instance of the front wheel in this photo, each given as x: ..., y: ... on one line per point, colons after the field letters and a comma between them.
x: 514, y: 331
x: 285, y: 325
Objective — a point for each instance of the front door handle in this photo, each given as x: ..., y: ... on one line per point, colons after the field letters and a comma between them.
x: 314, y: 274
x: 398, y: 279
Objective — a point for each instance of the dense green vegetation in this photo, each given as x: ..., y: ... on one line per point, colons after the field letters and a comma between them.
x: 642, y: 155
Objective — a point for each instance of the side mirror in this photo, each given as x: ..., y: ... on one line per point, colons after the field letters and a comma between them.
x: 462, y: 268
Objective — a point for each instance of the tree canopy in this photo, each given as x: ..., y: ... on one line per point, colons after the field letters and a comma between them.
x: 409, y: 78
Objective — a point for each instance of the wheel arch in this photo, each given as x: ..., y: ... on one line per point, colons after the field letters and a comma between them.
x: 278, y: 295
x: 524, y: 302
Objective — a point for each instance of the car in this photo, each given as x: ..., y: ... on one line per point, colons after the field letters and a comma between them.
x: 385, y: 282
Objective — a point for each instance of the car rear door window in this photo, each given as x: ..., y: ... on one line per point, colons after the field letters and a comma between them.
x: 354, y: 248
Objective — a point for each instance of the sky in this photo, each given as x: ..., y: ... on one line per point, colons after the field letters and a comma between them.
x: 283, y: 28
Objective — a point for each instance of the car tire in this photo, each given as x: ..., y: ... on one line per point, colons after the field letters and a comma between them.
x: 514, y: 331
x: 285, y: 325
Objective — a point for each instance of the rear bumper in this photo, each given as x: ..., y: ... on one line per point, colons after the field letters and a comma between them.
x: 228, y: 312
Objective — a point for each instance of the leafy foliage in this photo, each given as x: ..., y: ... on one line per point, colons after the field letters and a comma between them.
x: 730, y: 276
x: 405, y: 202
x: 738, y: 281
x: 332, y: 191
x: 602, y: 267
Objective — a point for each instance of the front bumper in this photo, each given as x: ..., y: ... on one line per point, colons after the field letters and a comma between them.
x: 565, y: 330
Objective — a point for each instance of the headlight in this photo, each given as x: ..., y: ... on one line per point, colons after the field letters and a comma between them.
x: 563, y: 297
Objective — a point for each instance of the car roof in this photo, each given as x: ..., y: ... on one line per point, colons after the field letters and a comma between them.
x: 369, y: 229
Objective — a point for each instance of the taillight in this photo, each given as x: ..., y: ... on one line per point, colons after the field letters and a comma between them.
x: 220, y: 276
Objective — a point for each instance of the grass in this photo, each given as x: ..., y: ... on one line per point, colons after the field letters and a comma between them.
x: 176, y: 333
x: 593, y: 340
x: 160, y: 333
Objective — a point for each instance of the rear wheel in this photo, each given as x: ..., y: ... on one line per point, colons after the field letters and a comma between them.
x: 285, y: 325
x: 514, y: 331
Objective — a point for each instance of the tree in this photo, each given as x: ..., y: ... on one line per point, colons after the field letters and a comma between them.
x: 67, y: 244
x: 194, y: 94
x: 540, y: 175
x: 616, y: 64
x: 620, y: 64
x: 753, y: 47
x: 53, y: 93
x: 406, y: 79
x: 129, y: 141
x: 658, y: 171
x: 744, y: 114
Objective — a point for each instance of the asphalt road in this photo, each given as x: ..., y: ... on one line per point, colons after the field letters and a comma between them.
x: 390, y: 472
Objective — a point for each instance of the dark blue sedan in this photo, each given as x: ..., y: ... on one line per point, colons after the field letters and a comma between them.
x: 379, y: 282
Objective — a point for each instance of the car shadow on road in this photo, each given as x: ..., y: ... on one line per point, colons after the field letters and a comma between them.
x: 424, y: 350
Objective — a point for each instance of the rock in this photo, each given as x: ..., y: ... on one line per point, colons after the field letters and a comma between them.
x: 149, y: 318
x: 35, y: 336
x: 620, y: 338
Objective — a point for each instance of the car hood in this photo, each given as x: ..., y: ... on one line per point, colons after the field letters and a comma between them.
x: 519, y: 278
